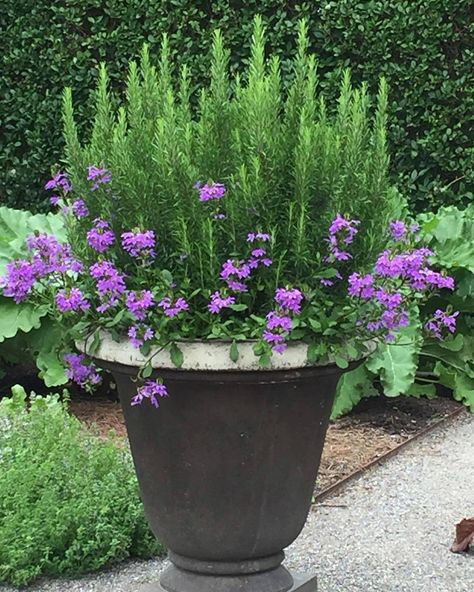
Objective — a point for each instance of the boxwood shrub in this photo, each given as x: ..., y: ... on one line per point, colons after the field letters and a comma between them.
x: 424, y: 49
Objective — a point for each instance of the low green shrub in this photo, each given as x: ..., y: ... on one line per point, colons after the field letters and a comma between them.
x: 69, y: 501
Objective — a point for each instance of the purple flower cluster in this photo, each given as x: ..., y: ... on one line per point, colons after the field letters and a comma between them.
x: 50, y: 256
x: 172, y: 309
x: 210, y: 192
x: 82, y: 373
x: 258, y: 236
x: 233, y: 271
x: 110, y: 284
x: 413, y: 268
x: 396, y: 278
x: 279, y: 322
x: 151, y: 390
x: 47, y: 257
x: 139, y: 334
x: 138, y: 303
x: 220, y: 301
x: 19, y: 280
x: 100, y: 236
x: 277, y: 329
x: 59, y: 181
x: 341, y: 232
x: 289, y: 299
x: 139, y: 244
x: 71, y: 300
x: 100, y: 176
x: 79, y: 209
x: 441, y: 322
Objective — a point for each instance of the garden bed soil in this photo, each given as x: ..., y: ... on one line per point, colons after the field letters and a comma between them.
x: 376, y: 427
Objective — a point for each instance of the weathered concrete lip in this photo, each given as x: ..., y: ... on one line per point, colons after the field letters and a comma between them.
x: 210, y: 355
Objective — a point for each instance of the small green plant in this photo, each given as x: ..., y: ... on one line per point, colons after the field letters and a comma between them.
x: 69, y: 501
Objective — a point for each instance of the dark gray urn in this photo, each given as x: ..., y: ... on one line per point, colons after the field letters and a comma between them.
x: 226, y: 468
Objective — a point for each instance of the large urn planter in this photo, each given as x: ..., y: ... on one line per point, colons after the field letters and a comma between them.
x: 228, y: 462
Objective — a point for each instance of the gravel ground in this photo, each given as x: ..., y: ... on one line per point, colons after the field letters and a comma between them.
x: 389, y: 531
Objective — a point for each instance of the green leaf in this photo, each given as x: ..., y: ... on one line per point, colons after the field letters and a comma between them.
x: 146, y: 371
x: 51, y: 368
x: 19, y: 317
x: 265, y: 360
x: 176, y: 355
x: 238, y: 307
x: 313, y: 353
x: 234, y: 352
x: 351, y: 388
x: 397, y: 363
x: 341, y: 362
x: 418, y: 390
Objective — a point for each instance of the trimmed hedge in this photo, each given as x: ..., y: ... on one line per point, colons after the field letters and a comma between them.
x: 423, y: 47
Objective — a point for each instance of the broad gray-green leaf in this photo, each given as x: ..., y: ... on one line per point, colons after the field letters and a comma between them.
x: 351, y: 388
x: 19, y: 317
x: 396, y: 363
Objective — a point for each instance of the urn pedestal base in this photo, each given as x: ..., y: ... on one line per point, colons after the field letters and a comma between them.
x: 301, y: 583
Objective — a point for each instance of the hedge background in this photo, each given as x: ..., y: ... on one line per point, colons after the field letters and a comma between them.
x: 424, y: 47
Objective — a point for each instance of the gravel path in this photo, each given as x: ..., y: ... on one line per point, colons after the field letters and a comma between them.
x: 389, y: 531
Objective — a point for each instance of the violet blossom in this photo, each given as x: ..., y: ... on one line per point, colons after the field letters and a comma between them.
x: 218, y: 302
x: 61, y: 181
x: 289, y: 299
x: 19, y: 280
x: 341, y: 232
x: 51, y: 256
x: 138, y: 243
x: 71, y: 300
x: 172, y: 309
x: 82, y: 373
x: 100, y: 176
x: 139, y: 334
x: 138, y: 303
x: 100, y: 237
x: 398, y: 230
x: 110, y: 284
x: 151, y: 390
x: 212, y: 191
x: 441, y: 321
x: 79, y: 209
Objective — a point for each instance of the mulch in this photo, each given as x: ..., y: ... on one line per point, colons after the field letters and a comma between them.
x: 374, y: 428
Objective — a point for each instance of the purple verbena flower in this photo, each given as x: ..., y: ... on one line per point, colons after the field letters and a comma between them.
x: 100, y: 176
x: 19, y: 280
x: 139, y: 334
x: 361, y: 286
x: 210, y: 191
x: 82, y: 373
x: 398, y: 230
x: 289, y: 299
x: 173, y: 309
x: 259, y: 257
x: 61, y: 181
x: 218, y: 302
x: 258, y: 236
x: 100, y: 236
x: 150, y: 390
x: 71, y: 300
x: 51, y: 256
x: 79, y: 209
x: 139, y: 244
x: 341, y: 232
x: 441, y: 322
x: 110, y: 284
x: 138, y: 303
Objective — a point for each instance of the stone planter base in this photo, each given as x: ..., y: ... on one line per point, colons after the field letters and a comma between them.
x: 301, y: 583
